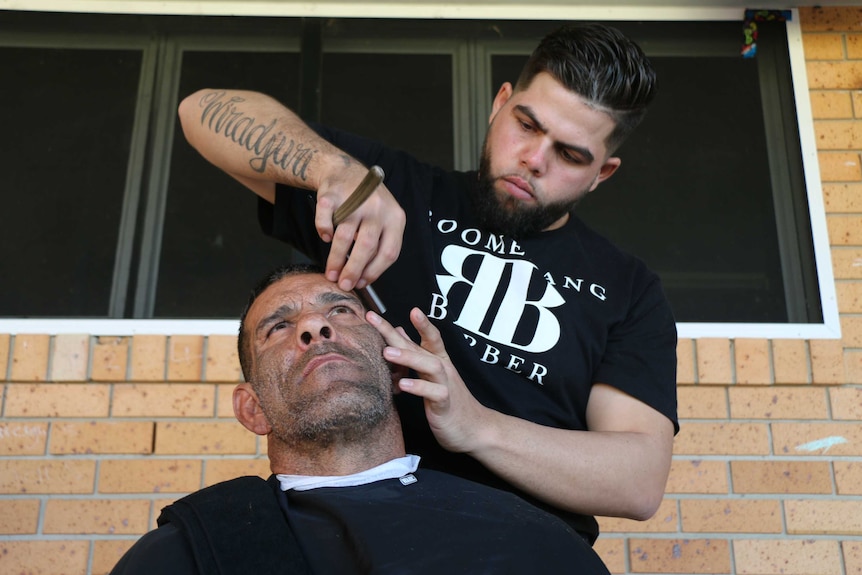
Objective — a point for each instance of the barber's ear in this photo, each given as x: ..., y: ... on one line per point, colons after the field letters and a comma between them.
x: 503, y: 94
x: 247, y: 409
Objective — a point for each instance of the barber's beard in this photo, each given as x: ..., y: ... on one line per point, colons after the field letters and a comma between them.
x: 510, y: 216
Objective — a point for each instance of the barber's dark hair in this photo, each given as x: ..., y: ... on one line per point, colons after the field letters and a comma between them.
x: 603, y: 66
x: 272, y: 277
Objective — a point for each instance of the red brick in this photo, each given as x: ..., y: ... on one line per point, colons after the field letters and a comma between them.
x: 702, y: 402
x: 852, y: 552
x: 777, y: 403
x: 148, y: 358
x: 223, y: 469
x: 790, y: 361
x: 53, y: 476
x: 823, y: 517
x: 18, y: 517
x: 823, y: 46
x: 102, y: 437
x: 826, y: 75
x: 224, y: 401
x: 204, y: 438
x: 846, y: 403
x: 25, y: 438
x: 110, y: 359
x: 815, y: 18
x: 185, y: 357
x: 30, y: 357
x: 781, y: 477
x: 844, y: 230
x: 827, y: 361
x: 839, y: 166
x: 722, y: 439
x: 5, y: 339
x: 697, y: 476
x: 685, y: 361
x: 843, y: 197
x: 849, y: 296
x: 107, y: 552
x: 70, y: 357
x: 88, y: 516
x: 150, y: 475
x: 44, y: 557
x: 752, y: 361
x: 764, y: 556
x: 57, y: 400
x: 222, y: 362
x: 163, y: 400
x: 838, y: 134
x: 831, y: 104
x: 714, y: 361
x: 690, y: 556
x: 848, y: 477
x: 817, y: 438
x: 730, y: 516
x: 851, y: 329
x: 847, y: 263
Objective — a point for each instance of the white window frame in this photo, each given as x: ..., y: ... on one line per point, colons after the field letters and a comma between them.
x: 829, y: 328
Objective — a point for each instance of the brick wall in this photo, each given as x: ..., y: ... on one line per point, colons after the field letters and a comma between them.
x: 98, y: 432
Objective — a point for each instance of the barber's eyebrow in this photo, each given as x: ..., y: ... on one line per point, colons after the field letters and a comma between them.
x: 528, y: 111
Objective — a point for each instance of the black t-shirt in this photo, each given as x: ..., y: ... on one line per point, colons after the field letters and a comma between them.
x: 530, y: 324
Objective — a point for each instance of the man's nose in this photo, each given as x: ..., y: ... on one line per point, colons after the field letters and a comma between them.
x: 314, y: 328
x: 533, y: 157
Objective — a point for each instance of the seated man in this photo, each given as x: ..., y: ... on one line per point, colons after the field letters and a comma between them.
x: 344, y: 497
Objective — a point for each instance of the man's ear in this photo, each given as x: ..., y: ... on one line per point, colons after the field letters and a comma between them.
x: 246, y: 408
x: 606, y: 171
x: 503, y: 94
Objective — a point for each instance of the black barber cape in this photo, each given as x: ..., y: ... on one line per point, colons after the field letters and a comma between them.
x: 424, y: 523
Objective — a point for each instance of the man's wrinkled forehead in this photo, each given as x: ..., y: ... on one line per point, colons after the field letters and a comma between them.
x: 292, y: 293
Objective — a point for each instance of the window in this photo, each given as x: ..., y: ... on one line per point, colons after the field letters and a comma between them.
x: 109, y: 214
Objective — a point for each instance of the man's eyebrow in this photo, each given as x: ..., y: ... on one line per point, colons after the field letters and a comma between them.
x: 330, y: 297
x: 585, y: 152
x: 283, y: 311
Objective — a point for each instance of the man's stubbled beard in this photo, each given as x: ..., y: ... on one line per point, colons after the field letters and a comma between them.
x: 336, y: 413
x: 509, y: 216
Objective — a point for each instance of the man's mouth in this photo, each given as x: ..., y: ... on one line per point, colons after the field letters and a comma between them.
x: 518, y: 188
x: 319, y: 360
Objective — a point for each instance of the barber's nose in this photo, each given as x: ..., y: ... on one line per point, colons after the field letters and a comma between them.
x: 314, y: 328
x: 533, y: 158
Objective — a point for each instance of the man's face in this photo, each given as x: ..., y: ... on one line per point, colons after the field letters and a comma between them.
x: 544, y: 151
x: 317, y: 365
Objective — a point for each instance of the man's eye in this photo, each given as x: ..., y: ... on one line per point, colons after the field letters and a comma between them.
x: 526, y: 126
x: 279, y: 326
x: 340, y: 309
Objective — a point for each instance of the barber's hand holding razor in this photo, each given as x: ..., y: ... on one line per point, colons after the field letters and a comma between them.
x: 362, y: 219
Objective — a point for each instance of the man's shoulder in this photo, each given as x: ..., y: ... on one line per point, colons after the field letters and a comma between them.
x: 163, y: 550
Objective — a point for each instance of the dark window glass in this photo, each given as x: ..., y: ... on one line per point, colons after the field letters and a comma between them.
x: 404, y: 100
x: 67, y: 115
x: 212, y: 248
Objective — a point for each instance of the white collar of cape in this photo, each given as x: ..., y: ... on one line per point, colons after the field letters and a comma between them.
x: 390, y: 470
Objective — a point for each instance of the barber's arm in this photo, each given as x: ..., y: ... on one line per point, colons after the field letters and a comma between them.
x: 617, y: 468
x: 260, y: 142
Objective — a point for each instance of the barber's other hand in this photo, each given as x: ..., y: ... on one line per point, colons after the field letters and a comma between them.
x: 371, y: 235
x: 455, y: 416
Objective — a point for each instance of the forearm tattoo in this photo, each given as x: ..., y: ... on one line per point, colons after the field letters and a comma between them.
x: 221, y: 116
